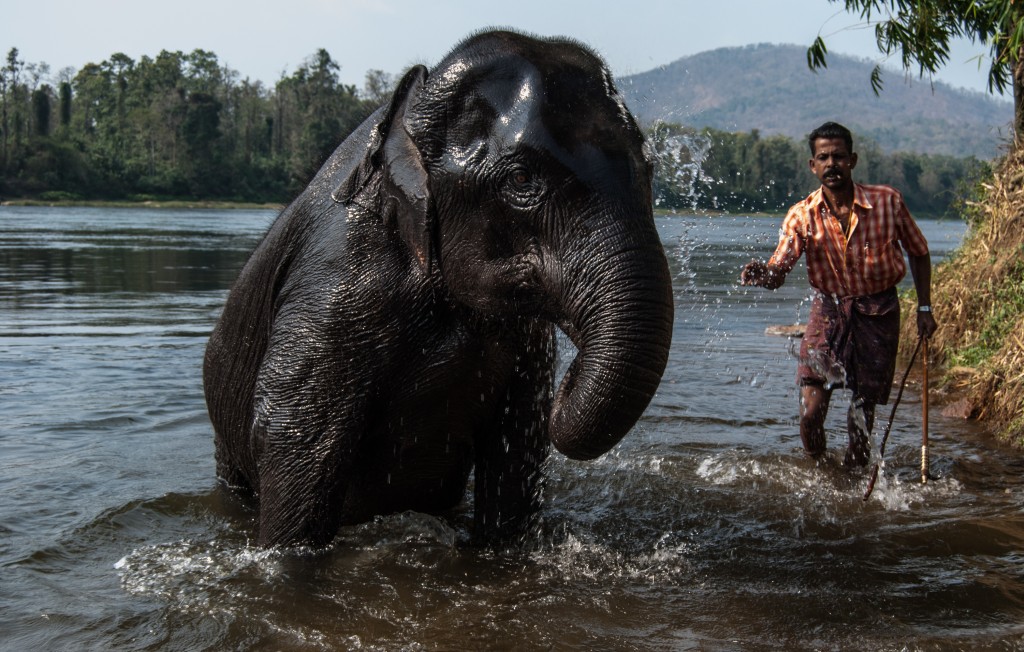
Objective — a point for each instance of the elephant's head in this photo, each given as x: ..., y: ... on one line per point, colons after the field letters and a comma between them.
x: 514, y: 171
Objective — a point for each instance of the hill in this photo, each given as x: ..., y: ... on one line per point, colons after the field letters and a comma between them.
x: 771, y: 89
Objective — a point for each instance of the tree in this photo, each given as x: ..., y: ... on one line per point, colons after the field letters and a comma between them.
x: 920, y: 31
x: 314, y: 112
x: 65, y: 105
x: 200, y: 131
x: 11, y: 91
x: 41, y: 109
x: 378, y: 86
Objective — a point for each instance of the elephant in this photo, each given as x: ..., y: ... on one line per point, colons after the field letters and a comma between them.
x: 394, y: 332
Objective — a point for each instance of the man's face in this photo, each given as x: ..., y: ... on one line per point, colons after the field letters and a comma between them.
x: 833, y: 163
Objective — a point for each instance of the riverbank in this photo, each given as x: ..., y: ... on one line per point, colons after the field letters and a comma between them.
x: 978, y: 298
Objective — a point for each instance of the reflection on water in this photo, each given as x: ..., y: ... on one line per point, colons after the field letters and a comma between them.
x: 705, y: 529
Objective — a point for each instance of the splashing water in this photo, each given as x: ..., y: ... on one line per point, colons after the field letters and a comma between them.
x: 195, y: 575
x: 679, y: 157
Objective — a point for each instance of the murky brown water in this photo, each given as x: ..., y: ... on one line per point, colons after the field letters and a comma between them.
x: 705, y: 529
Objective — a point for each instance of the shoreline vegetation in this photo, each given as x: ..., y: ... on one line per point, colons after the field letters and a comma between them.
x: 978, y: 298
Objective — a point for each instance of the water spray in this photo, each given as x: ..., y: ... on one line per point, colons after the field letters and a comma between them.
x: 679, y: 157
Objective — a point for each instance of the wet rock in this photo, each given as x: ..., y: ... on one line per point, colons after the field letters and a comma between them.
x: 795, y: 330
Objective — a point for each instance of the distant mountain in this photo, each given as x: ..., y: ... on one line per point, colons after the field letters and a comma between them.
x: 771, y: 89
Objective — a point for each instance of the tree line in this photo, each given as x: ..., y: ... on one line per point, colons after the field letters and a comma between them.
x: 185, y: 126
x: 708, y: 169
x: 174, y: 125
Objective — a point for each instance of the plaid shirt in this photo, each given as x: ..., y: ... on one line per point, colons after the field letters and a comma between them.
x: 870, y: 262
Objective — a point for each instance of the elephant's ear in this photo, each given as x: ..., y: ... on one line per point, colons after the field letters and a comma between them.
x: 405, y: 177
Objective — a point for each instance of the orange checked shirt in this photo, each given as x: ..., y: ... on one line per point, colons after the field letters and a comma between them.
x: 870, y: 261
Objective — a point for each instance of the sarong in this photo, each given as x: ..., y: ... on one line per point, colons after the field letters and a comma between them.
x: 852, y: 342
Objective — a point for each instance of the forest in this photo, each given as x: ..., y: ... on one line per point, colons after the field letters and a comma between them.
x: 183, y: 126
x: 174, y: 126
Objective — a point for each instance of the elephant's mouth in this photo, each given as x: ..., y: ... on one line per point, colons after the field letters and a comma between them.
x: 519, y: 286
x: 526, y: 282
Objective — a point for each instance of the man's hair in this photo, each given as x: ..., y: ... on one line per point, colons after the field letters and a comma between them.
x: 831, y: 130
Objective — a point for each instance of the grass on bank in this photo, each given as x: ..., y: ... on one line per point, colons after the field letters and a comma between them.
x: 978, y: 298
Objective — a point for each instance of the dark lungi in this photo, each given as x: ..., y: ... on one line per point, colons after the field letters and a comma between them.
x: 852, y: 342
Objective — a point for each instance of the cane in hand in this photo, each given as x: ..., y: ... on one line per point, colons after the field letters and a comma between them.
x: 924, y: 413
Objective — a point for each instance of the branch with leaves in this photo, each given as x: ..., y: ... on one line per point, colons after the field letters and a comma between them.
x: 920, y: 33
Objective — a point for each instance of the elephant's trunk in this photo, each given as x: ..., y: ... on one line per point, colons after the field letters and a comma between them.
x: 619, y: 312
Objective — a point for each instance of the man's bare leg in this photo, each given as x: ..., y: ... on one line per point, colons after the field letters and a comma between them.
x: 814, y: 401
x: 860, y: 419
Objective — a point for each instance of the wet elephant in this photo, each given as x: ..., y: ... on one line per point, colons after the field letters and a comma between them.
x: 394, y: 331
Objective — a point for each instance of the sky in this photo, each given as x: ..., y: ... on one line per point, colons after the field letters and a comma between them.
x: 263, y: 39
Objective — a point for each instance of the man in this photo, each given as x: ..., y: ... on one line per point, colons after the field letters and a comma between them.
x: 853, y: 236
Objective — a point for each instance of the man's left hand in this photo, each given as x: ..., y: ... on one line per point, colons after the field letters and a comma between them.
x: 926, y: 325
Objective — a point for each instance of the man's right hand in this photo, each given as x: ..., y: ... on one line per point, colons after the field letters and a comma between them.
x: 757, y: 273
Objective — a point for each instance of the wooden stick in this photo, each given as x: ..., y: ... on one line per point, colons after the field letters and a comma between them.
x: 924, y: 414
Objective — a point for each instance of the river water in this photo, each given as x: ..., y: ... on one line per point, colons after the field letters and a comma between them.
x: 705, y: 529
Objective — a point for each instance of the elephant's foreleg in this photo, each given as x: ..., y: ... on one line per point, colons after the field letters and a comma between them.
x: 301, y: 493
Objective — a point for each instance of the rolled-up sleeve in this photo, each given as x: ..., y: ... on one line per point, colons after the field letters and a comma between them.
x: 908, y: 232
x: 791, y: 244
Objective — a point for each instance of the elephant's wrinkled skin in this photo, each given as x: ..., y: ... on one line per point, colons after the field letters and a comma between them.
x: 395, y: 328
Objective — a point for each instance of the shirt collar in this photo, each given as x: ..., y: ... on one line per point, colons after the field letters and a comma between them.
x: 860, y: 197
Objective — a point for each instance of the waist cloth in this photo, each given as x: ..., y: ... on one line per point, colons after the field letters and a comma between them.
x: 852, y: 342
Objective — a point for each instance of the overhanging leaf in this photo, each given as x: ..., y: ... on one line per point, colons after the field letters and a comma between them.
x: 876, y: 79
x: 816, y: 54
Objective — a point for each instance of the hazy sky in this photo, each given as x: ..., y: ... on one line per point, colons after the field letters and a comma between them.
x: 262, y: 39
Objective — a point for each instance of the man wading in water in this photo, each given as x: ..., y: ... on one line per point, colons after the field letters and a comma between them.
x: 852, y: 236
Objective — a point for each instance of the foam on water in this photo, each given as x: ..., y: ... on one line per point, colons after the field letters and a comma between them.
x: 194, y: 574
x: 824, y: 483
x: 301, y: 598
x: 197, y: 573
x: 573, y: 558
x: 895, y: 493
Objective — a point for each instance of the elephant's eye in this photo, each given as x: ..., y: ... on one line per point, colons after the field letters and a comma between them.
x: 520, y: 177
x: 524, y: 189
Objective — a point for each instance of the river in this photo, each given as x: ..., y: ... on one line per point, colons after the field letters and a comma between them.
x: 705, y: 529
